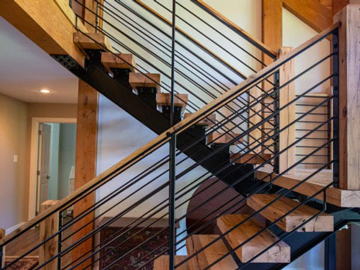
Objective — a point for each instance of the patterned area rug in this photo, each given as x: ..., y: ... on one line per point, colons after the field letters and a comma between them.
x: 125, y: 246
x: 23, y: 264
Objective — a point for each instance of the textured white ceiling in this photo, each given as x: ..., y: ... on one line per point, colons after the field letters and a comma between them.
x: 25, y: 69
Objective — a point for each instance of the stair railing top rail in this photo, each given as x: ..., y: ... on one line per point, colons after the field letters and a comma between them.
x: 165, y: 137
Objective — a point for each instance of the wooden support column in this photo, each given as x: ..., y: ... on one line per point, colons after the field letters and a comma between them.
x: 349, y: 96
x: 85, y: 163
x: 287, y: 115
x: 48, y: 227
x: 272, y: 36
x: 2, y: 235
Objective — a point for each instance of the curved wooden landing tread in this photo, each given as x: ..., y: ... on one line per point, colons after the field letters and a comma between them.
x: 279, y: 253
x: 322, y: 223
x: 335, y: 196
x: 210, y: 254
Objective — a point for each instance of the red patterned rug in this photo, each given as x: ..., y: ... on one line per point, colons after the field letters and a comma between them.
x: 23, y: 264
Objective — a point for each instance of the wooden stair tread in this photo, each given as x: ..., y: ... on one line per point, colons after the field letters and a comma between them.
x: 221, y: 138
x: 162, y: 263
x: 210, y: 254
x: 164, y: 99
x: 92, y: 41
x: 322, y: 223
x: 335, y: 196
x: 250, y: 158
x: 279, y: 253
x: 150, y: 80
x: 208, y: 121
x: 120, y: 60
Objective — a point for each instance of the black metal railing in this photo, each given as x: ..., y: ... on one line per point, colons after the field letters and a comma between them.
x: 155, y: 184
x: 167, y: 181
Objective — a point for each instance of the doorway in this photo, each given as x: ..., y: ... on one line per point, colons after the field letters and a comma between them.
x: 52, y: 168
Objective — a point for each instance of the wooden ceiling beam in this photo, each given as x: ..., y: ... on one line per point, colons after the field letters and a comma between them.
x: 45, y: 24
x: 311, y: 12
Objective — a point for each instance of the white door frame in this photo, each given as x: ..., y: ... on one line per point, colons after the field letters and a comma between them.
x: 35, y: 123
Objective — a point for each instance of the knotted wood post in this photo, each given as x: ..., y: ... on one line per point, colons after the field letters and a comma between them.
x: 287, y: 115
x: 49, y: 227
x: 2, y: 235
x: 349, y: 97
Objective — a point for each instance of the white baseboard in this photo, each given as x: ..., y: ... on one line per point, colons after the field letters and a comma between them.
x: 13, y: 228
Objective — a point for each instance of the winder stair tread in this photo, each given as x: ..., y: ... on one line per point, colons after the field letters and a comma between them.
x: 210, y: 254
x: 322, y: 223
x: 162, y: 263
x: 279, y: 253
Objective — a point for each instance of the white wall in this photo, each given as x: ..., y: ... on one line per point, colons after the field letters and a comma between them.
x: 12, y: 177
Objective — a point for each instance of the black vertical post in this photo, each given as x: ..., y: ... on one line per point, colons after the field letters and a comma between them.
x: 330, y: 252
x: 59, y: 240
x: 172, y: 169
x: 1, y: 257
x: 172, y: 109
x: 336, y: 151
x: 276, y: 119
x: 172, y: 177
x: 97, y: 17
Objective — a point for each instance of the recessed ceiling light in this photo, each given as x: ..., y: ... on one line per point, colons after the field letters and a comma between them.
x: 45, y: 91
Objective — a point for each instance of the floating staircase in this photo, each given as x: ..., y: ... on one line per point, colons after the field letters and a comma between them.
x: 259, y: 215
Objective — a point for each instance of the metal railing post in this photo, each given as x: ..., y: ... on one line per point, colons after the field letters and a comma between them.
x: 276, y: 120
x: 172, y: 109
x: 172, y: 169
x: 336, y: 150
x: 172, y: 178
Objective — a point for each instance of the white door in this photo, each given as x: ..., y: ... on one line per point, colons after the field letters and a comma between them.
x: 44, y: 164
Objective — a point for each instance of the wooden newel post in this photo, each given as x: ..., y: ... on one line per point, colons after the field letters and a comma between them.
x: 349, y: 97
x: 49, y: 227
x: 287, y: 115
x: 2, y: 261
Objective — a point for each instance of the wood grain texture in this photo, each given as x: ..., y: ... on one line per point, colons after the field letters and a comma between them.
x: 287, y: 115
x: 322, y: 223
x: 85, y: 162
x: 272, y: 30
x: 222, y: 138
x: 338, y: 5
x: 335, y: 196
x: 92, y: 41
x: 210, y: 254
x: 208, y: 121
x: 152, y: 80
x: 45, y: 24
x: 164, y: 99
x: 349, y: 96
x: 311, y: 12
x: 70, y: 14
x: 121, y: 61
x: 49, y: 227
x: 162, y: 263
x: 250, y: 158
x: 279, y: 253
x: 205, y: 111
